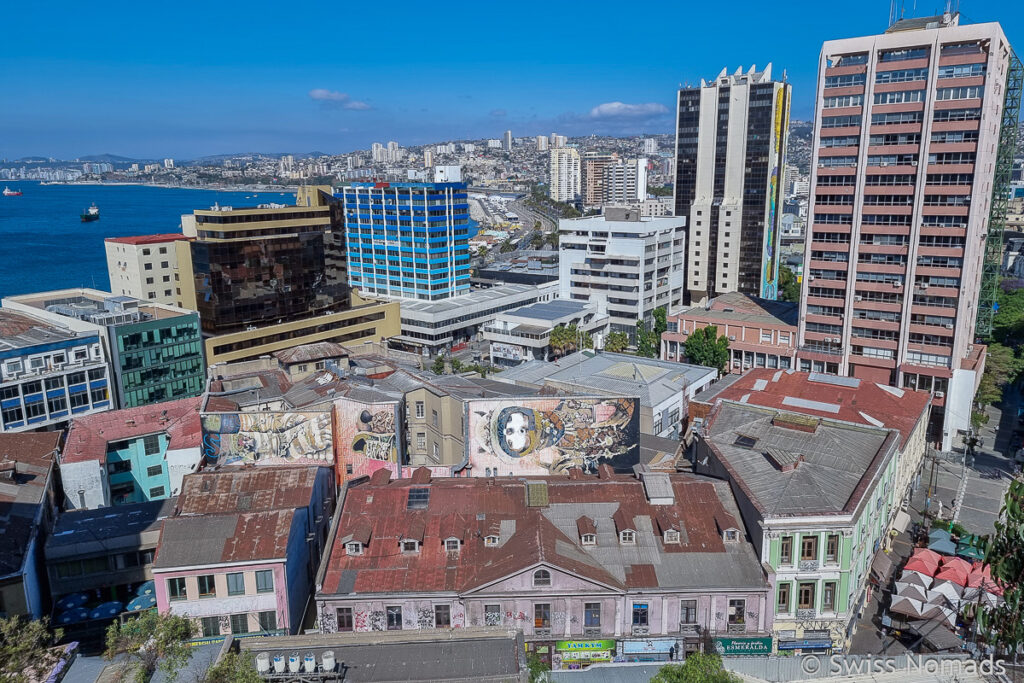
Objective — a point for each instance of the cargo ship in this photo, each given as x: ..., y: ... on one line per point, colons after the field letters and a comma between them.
x: 8, y: 192
x: 91, y: 214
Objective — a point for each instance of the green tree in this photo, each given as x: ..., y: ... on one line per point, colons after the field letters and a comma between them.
x: 457, y: 365
x: 149, y: 642
x: 233, y: 668
x: 24, y: 654
x: 538, y: 669
x: 616, y: 342
x: 789, y: 288
x: 558, y: 340
x: 438, y: 366
x: 507, y: 246
x: 698, y: 668
x: 1002, y: 367
x: 647, y: 344
x: 662, y: 191
x: 1008, y: 321
x: 1004, y: 625
x: 705, y: 346
x: 482, y: 252
x: 660, y: 322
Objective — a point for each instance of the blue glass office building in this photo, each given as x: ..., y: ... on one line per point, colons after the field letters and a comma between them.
x: 407, y: 240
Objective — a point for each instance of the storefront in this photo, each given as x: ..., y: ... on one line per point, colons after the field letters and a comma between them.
x: 650, y: 650
x: 759, y: 646
x: 813, y: 643
x: 579, y: 654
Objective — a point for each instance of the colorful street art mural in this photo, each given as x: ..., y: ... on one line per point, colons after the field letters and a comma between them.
x: 367, y: 436
x: 542, y: 436
x: 780, y: 131
x: 275, y: 438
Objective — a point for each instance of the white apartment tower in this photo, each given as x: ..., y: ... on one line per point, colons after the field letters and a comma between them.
x: 565, y: 174
x: 730, y: 156
x: 542, y: 143
x: 914, y: 137
x: 625, y: 182
x: 508, y: 141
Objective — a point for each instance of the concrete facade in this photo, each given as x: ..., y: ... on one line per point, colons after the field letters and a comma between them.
x: 145, y: 267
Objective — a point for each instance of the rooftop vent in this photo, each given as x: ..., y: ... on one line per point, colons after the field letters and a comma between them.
x: 783, y: 460
x: 800, y: 423
x: 536, y: 494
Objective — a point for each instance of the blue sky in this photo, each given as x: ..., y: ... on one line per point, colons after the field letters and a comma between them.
x: 187, y: 79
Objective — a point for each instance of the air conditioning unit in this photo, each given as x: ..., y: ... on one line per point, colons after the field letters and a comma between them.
x: 810, y: 278
x: 949, y: 326
x: 940, y: 394
x: 897, y: 283
x: 821, y: 165
x: 858, y: 297
x: 732, y: 337
x: 884, y: 163
x: 913, y: 163
x: 828, y: 340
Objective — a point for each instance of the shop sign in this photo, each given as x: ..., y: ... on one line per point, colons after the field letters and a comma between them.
x: 584, y: 645
x: 645, y: 646
x: 740, y: 647
x: 586, y: 656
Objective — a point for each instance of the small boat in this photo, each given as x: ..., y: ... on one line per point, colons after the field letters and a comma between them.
x: 8, y: 192
x: 91, y: 214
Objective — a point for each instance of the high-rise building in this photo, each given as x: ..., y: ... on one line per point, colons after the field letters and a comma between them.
x: 565, y: 174
x: 377, y: 152
x: 428, y: 158
x: 553, y: 139
x: 168, y: 163
x: 913, y: 142
x: 408, y: 240
x: 508, y: 140
x: 625, y: 182
x: 144, y: 266
x: 650, y: 146
x: 633, y: 263
x: 272, y: 277
x: 494, y: 144
x: 542, y: 143
x: 592, y: 168
x: 560, y: 141
x: 730, y: 155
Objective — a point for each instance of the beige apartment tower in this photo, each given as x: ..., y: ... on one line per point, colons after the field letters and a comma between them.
x: 910, y: 142
x: 565, y: 174
x: 144, y: 267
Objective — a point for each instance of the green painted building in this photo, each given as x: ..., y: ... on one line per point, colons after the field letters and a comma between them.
x: 817, y: 498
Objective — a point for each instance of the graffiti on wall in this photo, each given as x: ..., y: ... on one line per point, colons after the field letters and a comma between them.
x: 367, y: 435
x: 769, y: 268
x: 543, y: 436
x: 267, y: 438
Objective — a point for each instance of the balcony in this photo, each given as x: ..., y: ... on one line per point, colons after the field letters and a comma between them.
x: 808, y: 565
x: 736, y: 628
x: 641, y: 630
x: 806, y: 613
x: 544, y: 632
x: 591, y: 631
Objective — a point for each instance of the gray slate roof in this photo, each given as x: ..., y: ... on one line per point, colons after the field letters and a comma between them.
x: 837, y: 456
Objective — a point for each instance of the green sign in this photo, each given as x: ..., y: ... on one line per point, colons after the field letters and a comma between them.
x: 585, y: 645
x: 736, y: 647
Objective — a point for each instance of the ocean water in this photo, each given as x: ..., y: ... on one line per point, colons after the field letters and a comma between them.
x: 44, y: 245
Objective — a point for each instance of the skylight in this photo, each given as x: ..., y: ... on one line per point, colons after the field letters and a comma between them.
x: 418, y: 499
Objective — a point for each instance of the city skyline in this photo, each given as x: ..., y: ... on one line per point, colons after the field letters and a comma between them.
x: 210, y: 81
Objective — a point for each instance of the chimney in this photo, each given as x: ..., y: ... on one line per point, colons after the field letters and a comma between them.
x: 381, y: 477
x: 575, y: 474
x: 421, y: 475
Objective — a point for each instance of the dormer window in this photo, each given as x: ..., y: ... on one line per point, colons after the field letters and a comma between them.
x: 354, y: 548
x: 541, y: 578
x: 672, y: 536
x: 627, y: 537
x: 589, y: 539
x: 410, y: 546
x: 491, y: 541
x: 731, y: 535
x: 451, y: 545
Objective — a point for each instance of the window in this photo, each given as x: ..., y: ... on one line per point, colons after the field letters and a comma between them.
x: 901, y: 76
x: 154, y: 470
x: 437, y: 451
x: 782, y: 598
x: 490, y: 541
x: 119, y: 467
x: 145, y: 252
x: 843, y: 101
x: 541, y: 577
x: 805, y: 596
x: 442, y: 616
x: 492, y: 615
x: 809, y: 548
x: 211, y: 627
x: 420, y: 411
x: 832, y: 548
x: 265, y: 581
x: 828, y: 596
x: 207, y: 586
x: 176, y: 588
x: 589, y: 539
x: 591, y: 614
x: 394, y: 615
x: 157, y: 492
x: 433, y: 417
x: 410, y: 546
x: 737, y: 611
x: 640, y: 613
x: 236, y: 583
x: 962, y: 93
x: 451, y: 545
x: 151, y: 444
x: 786, y: 550
x: 354, y: 548
x: 239, y: 623
x: 421, y: 441
x: 627, y: 537
x: 147, y: 266
x: 688, y: 612
x: 731, y: 535
x: 899, y: 97
x: 344, y: 615
x: 542, y: 615
x: 268, y: 620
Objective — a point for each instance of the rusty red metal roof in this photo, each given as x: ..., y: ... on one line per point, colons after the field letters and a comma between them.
x: 148, y: 239
x: 247, y: 489
x: 89, y: 435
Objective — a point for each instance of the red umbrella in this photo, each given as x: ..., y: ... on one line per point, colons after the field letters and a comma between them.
x: 953, y: 573
x: 960, y: 563
x: 929, y: 555
x: 921, y: 565
x: 980, y: 574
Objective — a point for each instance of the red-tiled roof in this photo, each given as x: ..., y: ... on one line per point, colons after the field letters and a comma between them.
x: 378, y: 510
x: 148, y: 239
x: 27, y: 459
x: 259, y: 536
x: 89, y: 435
x: 247, y: 489
x: 899, y: 409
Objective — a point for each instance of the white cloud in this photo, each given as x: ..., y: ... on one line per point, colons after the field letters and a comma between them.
x: 337, y: 99
x: 621, y: 110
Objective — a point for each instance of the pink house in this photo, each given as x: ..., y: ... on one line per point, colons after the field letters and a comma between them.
x: 590, y: 568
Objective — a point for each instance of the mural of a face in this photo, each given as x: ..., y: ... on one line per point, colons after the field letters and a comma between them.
x: 517, y: 431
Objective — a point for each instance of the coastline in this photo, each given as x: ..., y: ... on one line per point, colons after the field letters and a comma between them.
x: 281, y: 189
